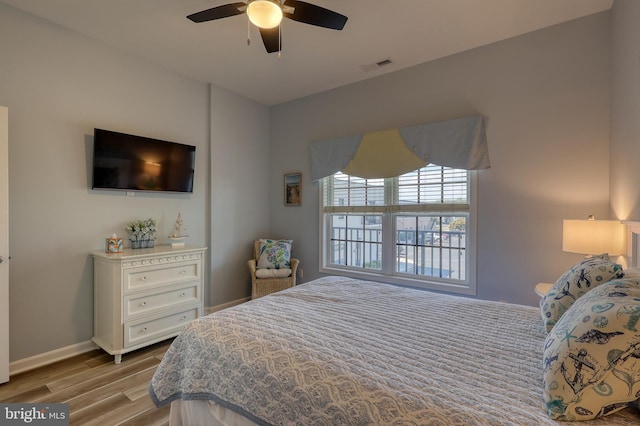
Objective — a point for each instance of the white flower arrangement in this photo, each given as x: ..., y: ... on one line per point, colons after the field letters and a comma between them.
x: 141, y: 230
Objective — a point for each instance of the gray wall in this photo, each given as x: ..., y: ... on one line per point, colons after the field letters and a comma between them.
x: 240, y: 199
x: 546, y: 97
x: 625, y: 109
x: 58, y: 86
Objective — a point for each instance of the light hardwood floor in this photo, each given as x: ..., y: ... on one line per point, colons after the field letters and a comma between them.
x: 98, y: 391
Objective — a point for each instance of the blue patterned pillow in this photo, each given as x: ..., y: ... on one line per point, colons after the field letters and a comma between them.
x: 275, y: 254
x: 574, y: 283
x: 592, y: 354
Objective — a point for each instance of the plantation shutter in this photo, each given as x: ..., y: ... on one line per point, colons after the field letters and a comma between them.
x: 429, y: 189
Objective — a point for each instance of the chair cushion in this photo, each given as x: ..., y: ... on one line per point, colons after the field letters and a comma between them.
x: 275, y: 254
x: 272, y: 273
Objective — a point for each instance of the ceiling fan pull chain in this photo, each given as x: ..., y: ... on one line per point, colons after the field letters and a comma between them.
x: 248, y: 31
x: 280, y: 40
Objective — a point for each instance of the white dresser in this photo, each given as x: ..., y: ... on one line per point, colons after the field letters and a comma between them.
x: 144, y: 296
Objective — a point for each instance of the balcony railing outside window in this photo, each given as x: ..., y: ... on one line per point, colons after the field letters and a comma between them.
x: 434, y: 253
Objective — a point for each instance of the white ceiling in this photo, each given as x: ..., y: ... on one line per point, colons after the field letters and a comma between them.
x: 408, y: 32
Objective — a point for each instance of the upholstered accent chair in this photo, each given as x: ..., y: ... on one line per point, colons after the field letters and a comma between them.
x: 266, y: 280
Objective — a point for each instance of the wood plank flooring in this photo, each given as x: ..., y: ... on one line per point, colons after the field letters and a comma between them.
x: 98, y: 391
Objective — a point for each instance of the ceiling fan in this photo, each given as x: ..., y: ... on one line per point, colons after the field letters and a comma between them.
x: 267, y: 15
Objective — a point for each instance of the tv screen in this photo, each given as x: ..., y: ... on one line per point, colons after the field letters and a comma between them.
x: 136, y: 163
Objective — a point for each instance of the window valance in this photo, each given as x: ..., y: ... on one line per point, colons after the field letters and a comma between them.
x: 459, y: 143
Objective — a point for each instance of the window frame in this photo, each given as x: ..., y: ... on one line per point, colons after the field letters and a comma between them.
x: 386, y: 274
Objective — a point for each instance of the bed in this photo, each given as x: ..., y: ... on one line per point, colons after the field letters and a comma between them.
x: 340, y: 351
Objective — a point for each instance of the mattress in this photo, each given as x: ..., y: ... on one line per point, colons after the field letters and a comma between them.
x: 343, y: 351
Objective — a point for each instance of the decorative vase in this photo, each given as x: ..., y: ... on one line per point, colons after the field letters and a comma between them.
x: 138, y: 244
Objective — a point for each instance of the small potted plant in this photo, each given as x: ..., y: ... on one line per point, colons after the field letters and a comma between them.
x: 142, y: 233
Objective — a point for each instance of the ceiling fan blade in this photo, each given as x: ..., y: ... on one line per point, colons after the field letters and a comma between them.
x: 271, y: 39
x: 315, y: 15
x: 219, y: 12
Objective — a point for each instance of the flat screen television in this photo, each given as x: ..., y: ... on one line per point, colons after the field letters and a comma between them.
x: 136, y: 163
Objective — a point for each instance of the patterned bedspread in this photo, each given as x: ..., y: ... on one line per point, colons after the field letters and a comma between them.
x: 339, y: 351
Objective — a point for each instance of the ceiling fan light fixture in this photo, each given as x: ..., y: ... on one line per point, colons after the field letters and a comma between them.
x: 264, y: 13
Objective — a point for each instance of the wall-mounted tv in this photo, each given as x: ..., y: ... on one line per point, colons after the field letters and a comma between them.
x: 136, y: 163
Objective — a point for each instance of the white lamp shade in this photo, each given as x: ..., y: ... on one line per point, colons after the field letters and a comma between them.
x: 593, y: 237
x: 264, y: 13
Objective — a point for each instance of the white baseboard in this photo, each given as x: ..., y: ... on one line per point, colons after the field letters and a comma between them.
x: 26, y: 364
x: 46, y: 358
x: 217, y: 308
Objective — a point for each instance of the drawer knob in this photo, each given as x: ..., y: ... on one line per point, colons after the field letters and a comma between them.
x: 144, y: 330
x: 143, y: 304
x: 184, y: 317
x: 182, y: 295
x: 183, y: 272
x: 144, y: 278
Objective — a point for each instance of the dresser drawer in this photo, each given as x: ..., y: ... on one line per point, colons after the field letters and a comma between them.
x: 136, y: 279
x: 148, y: 303
x: 163, y: 327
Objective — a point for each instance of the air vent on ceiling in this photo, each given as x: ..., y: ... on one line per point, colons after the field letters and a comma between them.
x: 376, y: 65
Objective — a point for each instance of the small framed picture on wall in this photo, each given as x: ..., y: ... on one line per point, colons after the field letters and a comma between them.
x: 293, y: 189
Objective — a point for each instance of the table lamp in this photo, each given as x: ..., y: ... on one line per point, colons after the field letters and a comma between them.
x: 591, y: 237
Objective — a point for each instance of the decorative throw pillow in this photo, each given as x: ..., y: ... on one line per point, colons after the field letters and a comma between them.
x: 592, y: 355
x: 275, y: 254
x: 575, y: 282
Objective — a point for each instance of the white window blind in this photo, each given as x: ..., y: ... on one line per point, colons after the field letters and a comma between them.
x: 431, y: 188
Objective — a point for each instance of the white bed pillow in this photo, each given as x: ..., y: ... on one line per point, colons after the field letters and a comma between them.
x: 592, y: 354
x: 575, y: 282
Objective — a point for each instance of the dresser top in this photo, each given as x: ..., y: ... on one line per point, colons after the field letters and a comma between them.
x: 145, y: 252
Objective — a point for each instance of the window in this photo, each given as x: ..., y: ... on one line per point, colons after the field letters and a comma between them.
x: 416, y: 229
